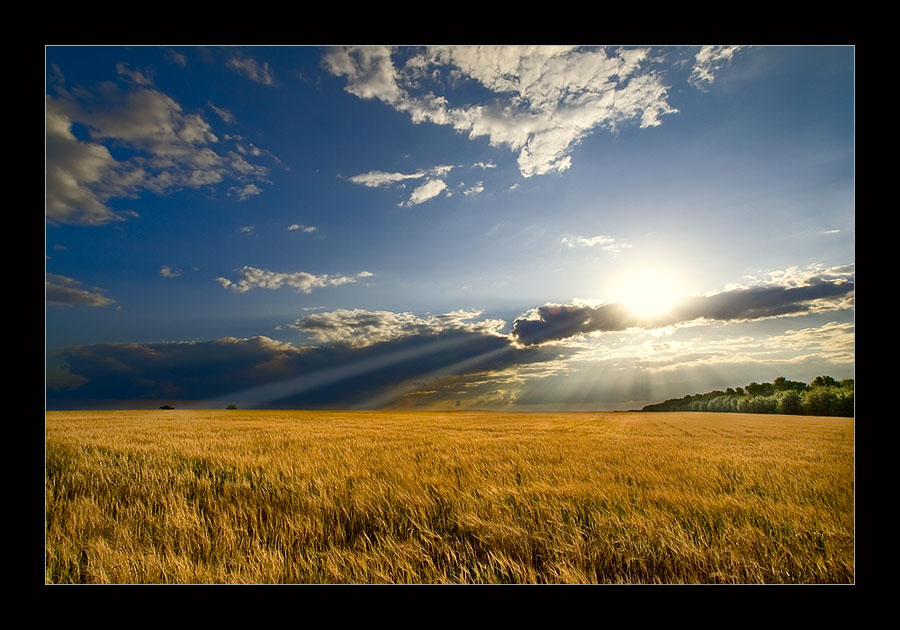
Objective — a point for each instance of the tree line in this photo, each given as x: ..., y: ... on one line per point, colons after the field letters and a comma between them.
x: 824, y: 396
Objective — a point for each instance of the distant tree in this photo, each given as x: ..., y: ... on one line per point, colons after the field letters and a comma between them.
x: 760, y: 389
x: 763, y: 404
x: 818, y: 401
x: 167, y: 407
x: 231, y: 407
x: 783, y: 385
x: 823, y: 381
x: 790, y: 403
x: 842, y: 404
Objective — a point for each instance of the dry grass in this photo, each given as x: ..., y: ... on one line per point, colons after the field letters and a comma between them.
x: 372, y: 497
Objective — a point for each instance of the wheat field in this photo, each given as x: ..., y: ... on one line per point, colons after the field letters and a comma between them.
x: 261, y: 497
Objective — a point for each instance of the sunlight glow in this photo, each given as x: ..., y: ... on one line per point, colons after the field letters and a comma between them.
x: 649, y: 292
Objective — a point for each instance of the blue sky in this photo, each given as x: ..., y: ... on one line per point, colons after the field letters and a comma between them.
x: 430, y: 227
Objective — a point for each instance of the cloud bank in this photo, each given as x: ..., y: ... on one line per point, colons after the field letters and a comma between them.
x: 543, y: 99
x: 374, y: 359
x: 359, y: 328
x: 794, y: 293
x: 260, y: 371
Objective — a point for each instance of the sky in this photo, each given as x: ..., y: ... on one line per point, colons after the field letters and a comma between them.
x: 475, y: 227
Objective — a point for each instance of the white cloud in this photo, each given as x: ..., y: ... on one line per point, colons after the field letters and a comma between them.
x: 377, y: 179
x: 176, y: 58
x: 800, y: 276
x: 606, y: 243
x: 226, y: 115
x: 251, y: 69
x: 369, y: 71
x: 248, y: 148
x: 708, y: 61
x: 547, y: 98
x: 474, y: 190
x: 133, y: 76
x: 152, y: 121
x: 303, y: 282
x: 246, y: 229
x: 359, y: 328
x: 425, y: 191
x: 79, y: 174
x: 171, y: 149
x: 64, y: 291
x: 169, y: 272
x: 244, y: 193
x: 242, y: 166
x: 304, y: 228
x: 833, y: 341
x: 429, y: 190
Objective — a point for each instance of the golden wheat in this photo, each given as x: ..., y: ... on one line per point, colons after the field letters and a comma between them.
x: 457, y: 497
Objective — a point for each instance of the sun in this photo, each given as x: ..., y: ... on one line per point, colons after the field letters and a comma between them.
x: 649, y: 292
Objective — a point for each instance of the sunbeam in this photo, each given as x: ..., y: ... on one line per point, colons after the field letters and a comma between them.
x: 383, y: 398
x: 272, y: 392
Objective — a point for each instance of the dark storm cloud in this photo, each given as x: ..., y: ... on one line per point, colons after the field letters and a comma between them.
x: 556, y: 322
x: 261, y: 371
x: 553, y: 322
x: 175, y: 369
x: 762, y: 302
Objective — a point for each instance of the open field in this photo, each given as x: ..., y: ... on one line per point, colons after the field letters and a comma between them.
x: 456, y: 497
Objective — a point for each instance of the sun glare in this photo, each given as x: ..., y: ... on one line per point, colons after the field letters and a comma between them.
x: 649, y: 292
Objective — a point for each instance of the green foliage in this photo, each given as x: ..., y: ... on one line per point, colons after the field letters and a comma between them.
x: 824, y: 396
x: 823, y: 381
x: 782, y: 385
x: 764, y: 389
x: 790, y: 403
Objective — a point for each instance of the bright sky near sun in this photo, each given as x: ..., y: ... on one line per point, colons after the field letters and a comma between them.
x: 515, y: 227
